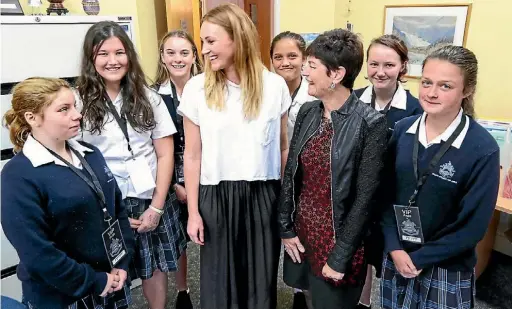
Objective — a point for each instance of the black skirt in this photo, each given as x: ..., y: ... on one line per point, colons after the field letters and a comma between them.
x: 240, y: 256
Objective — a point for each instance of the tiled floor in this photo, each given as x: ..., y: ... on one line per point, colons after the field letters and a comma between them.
x: 284, y: 292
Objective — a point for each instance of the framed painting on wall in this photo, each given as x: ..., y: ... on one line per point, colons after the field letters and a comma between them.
x: 10, y: 7
x: 426, y: 27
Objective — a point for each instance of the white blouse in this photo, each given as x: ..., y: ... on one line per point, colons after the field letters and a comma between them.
x: 234, y: 148
x: 114, y: 147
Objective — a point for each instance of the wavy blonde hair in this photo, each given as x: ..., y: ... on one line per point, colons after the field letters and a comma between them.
x: 31, y: 95
x: 247, y: 60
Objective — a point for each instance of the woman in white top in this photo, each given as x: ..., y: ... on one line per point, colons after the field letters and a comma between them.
x: 131, y: 126
x: 235, y: 117
x: 288, y: 53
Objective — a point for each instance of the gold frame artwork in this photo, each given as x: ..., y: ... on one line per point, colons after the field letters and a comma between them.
x: 425, y: 41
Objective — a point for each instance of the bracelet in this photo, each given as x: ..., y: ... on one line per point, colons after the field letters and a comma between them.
x: 158, y: 211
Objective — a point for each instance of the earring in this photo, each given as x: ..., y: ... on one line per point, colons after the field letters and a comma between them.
x: 333, y: 85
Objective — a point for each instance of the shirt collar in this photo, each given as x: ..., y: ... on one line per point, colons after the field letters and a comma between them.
x: 38, y: 155
x: 399, y: 99
x: 445, y: 135
x: 166, y: 89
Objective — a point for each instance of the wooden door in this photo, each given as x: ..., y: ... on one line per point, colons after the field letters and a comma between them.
x: 184, y: 15
x: 260, y: 12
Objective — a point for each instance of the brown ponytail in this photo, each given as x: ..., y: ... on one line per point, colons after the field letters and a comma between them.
x: 31, y: 95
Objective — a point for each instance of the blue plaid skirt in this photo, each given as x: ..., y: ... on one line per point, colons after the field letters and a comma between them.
x: 434, y: 288
x: 159, y: 249
x: 119, y: 300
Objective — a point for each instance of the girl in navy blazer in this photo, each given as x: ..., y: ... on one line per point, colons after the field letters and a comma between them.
x: 52, y: 216
x: 387, y: 59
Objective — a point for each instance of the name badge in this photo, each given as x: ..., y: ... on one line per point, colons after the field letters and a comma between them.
x: 140, y: 174
x: 409, y: 224
x: 178, y: 170
x: 114, y: 244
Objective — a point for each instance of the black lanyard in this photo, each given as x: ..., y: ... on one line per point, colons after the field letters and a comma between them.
x: 435, y: 160
x: 294, y: 94
x: 94, y: 185
x: 388, y: 106
x: 121, y: 121
x: 179, y: 118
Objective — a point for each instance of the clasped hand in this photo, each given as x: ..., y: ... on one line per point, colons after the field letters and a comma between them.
x: 115, y: 281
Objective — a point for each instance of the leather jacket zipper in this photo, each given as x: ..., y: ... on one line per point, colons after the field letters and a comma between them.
x: 332, y: 182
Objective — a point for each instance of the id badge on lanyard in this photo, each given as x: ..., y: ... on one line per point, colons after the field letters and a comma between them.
x: 138, y: 168
x: 408, y: 216
x: 140, y: 174
x: 409, y: 223
x: 113, y: 240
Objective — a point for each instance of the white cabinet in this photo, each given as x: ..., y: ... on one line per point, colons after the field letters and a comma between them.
x: 47, y: 46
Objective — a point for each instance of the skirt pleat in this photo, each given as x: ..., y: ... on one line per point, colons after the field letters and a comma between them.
x: 240, y: 257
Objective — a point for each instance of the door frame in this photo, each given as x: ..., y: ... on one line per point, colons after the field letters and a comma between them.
x: 197, y: 16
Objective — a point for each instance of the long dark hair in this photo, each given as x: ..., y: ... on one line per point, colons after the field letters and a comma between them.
x: 162, y: 74
x: 91, y: 87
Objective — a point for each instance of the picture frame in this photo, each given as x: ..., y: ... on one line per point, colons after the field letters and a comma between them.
x: 426, y: 27
x: 10, y: 7
x: 309, y: 37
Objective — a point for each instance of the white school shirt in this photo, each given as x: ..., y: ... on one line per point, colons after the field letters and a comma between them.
x: 166, y: 89
x: 422, y: 138
x: 399, y: 99
x: 114, y: 147
x: 299, y: 100
x: 233, y: 148
x: 38, y: 155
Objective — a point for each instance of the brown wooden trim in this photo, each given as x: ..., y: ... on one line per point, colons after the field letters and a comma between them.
x: 466, y: 27
x: 196, y: 24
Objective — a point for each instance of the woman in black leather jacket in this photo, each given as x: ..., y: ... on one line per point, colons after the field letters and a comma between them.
x: 333, y: 170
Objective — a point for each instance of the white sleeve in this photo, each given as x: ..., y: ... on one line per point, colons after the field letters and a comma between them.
x: 189, y: 102
x: 164, y: 126
x: 286, y: 99
x: 79, y: 105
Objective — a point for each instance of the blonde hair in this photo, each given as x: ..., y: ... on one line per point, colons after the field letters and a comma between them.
x: 30, y: 96
x: 162, y: 73
x: 247, y: 60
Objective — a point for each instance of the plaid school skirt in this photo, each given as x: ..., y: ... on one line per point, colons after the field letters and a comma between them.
x: 159, y: 249
x: 119, y: 300
x: 434, y: 288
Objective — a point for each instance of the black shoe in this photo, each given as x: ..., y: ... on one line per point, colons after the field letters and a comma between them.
x: 299, y: 301
x: 361, y: 306
x: 183, y: 300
